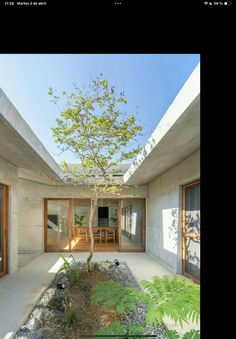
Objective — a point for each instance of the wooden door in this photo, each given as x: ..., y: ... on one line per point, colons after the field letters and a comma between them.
x: 191, y: 230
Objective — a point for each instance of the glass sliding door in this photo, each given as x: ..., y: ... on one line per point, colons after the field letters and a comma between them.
x: 80, y: 233
x: 104, y: 225
x: 132, y: 225
x: 117, y: 224
x: 3, y: 229
x: 191, y: 230
x: 58, y: 225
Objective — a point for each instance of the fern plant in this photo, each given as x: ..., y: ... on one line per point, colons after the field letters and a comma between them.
x: 192, y: 334
x: 172, y: 334
x: 116, y: 328
x: 174, y: 297
x: 110, y: 294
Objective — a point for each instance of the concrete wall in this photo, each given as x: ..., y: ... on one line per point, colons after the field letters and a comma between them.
x: 31, y: 210
x: 164, y: 203
x: 9, y: 177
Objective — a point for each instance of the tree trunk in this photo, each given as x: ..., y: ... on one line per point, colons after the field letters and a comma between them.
x: 91, y: 213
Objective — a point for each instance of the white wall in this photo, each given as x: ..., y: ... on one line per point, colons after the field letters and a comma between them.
x: 164, y: 205
x: 9, y: 177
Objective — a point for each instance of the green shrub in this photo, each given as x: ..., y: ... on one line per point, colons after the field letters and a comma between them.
x: 109, y: 261
x: 73, y: 274
x: 71, y: 317
x: 112, y: 295
x: 71, y: 270
x: 96, y: 266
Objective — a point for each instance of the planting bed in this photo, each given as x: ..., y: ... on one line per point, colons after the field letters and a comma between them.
x: 50, y: 320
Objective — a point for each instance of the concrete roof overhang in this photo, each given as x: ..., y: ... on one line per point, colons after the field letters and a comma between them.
x: 175, y: 138
x: 21, y: 147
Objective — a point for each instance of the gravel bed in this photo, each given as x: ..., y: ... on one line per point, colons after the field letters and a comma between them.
x: 48, y: 309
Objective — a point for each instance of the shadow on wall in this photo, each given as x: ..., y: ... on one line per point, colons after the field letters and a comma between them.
x: 163, y: 238
x: 170, y: 229
x: 168, y: 247
x: 172, y: 237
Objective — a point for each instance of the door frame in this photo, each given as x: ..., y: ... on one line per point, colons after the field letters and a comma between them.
x: 5, y: 228
x: 185, y: 234
x: 71, y: 221
x: 143, y: 226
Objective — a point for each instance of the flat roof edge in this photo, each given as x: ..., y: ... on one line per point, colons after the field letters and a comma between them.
x: 12, y: 116
x: 188, y: 93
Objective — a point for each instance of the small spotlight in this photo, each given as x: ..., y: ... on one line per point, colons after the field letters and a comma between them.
x: 116, y: 262
x: 61, y: 286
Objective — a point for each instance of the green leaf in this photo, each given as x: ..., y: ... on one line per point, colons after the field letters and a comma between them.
x: 105, y: 84
x: 50, y: 91
x: 135, y: 329
x: 115, y: 328
x: 96, y: 132
x: 172, y: 334
x: 192, y: 334
x: 153, y: 316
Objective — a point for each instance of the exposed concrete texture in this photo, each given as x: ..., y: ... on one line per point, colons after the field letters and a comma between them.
x: 26, y: 258
x: 21, y: 147
x: 9, y: 177
x: 164, y: 205
x: 20, y: 291
x: 31, y: 214
x: 117, y: 177
x: 175, y: 138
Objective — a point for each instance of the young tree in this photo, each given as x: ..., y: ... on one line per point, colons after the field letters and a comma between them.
x: 93, y: 126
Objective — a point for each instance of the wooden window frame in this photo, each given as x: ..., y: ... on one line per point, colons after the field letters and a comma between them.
x: 5, y: 230
x: 185, y: 234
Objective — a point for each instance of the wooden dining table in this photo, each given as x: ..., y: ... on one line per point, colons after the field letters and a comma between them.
x: 99, y: 228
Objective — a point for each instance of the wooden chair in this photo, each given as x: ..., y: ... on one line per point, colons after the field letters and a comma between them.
x: 97, y: 235
x: 103, y: 234
x: 82, y: 233
x: 75, y: 232
x: 111, y: 235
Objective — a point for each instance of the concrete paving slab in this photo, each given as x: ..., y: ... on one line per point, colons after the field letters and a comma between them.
x: 26, y: 258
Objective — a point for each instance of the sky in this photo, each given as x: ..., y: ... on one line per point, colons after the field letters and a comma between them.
x: 150, y: 82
